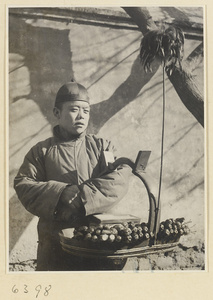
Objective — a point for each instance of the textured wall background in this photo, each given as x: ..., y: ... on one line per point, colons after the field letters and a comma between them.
x: 126, y: 108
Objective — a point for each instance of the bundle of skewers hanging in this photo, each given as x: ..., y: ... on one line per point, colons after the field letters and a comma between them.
x: 166, y: 45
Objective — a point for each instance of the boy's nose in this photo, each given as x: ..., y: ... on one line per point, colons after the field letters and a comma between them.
x: 80, y: 114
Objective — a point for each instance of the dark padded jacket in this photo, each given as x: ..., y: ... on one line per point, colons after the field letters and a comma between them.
x: 48, y: 168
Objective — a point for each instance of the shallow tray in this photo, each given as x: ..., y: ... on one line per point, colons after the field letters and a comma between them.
x: 80, y: 248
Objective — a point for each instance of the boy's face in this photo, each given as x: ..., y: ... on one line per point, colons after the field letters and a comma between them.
x: 73, y: 117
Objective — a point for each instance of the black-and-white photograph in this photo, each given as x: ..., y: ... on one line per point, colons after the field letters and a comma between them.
x: 106, y: 139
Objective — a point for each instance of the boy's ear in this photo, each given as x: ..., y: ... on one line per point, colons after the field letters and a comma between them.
x: 56, y: 112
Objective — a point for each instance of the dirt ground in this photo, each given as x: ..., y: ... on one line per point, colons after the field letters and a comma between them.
x: 181, y: 258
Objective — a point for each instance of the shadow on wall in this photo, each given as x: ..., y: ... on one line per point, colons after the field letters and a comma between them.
x: 124, y: 94
x: 47, y: 56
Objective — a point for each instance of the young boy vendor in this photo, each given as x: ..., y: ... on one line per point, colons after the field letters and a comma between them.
x: 65, y: 177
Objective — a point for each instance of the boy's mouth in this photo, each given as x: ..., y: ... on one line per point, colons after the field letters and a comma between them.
x: 79, y: 124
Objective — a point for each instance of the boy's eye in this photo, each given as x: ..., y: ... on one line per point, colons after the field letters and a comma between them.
x: 73, y: 109
x: 86, y: 111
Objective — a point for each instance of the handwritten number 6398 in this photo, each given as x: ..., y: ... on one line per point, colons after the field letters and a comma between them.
x: 38, y: 289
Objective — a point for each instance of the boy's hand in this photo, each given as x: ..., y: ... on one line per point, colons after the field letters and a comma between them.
x: 69, y: 194
x: 70, y: 205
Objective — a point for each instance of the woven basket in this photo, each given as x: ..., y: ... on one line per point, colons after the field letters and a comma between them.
x: 98, y: 251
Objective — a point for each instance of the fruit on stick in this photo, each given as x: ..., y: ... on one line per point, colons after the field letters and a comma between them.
x: 140, y: 234
x: 118, y: 227
x: 125, y: 224
x: 98, y: 231
x: 172, y: 229
x: 107, y: 227
x: 114, y: 231
x: 162, y: 226
x: 181, y: 220
x: 94, y: 238
x: 118, y: 238
x: 88, y: 237
x: 128, y: 239
x: 111, y: 238
x: 106, y: 231
x: 104, y: 237
x: 126, y: 233
x: 135, y: 229
x: 135, y: 236
x: 146, y: 236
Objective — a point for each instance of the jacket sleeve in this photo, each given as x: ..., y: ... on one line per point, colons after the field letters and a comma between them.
x: 100, y: 194
x: 39, y: 197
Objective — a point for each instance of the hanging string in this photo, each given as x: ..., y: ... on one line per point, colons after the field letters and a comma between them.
x: 162, y: 149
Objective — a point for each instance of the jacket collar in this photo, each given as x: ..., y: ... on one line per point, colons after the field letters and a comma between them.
x: 57, y: 134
